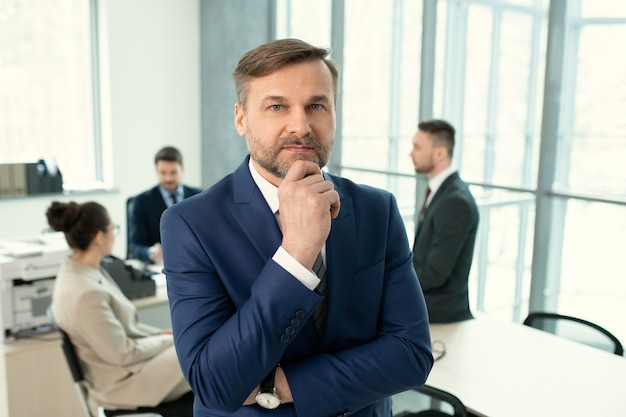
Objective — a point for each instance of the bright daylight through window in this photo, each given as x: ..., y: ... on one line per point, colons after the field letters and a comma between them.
x: 47, y: 89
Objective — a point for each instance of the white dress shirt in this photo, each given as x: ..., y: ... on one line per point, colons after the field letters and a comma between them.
x: 435, y: 182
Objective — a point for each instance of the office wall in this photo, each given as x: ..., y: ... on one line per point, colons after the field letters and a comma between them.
x: 151, y: 87
x: 241, y: 24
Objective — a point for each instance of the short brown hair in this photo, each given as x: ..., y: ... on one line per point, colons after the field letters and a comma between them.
x: 440, y: 132
x: 274, y: 55
x: 170, y: 154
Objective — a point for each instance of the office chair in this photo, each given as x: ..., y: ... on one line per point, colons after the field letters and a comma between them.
x: 129, y: 208
x: 182, y: 407
x: 438, y: 398
x: 576, y: 329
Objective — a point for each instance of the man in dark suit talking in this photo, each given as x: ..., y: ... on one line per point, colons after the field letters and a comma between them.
x: 447, y: 225
x: 147, y: 207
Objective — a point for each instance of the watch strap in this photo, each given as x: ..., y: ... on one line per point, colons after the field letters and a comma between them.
x: 268, y: 384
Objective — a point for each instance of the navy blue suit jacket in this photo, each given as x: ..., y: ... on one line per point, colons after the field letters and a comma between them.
x: 443, y: 251
x: 144, y: 220
x: 236, y: 313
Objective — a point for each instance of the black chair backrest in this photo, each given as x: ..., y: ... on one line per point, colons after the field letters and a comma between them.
x: 129, y: 208
x: 575, y: 329
x: 71, y: 357
x: 445, y: 396
x: 182, y: 407
x: 437, y: 397
x: 68, y: 349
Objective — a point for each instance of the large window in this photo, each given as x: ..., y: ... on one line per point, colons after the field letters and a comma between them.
x: 489, y: 67
x: 591, y: 176
x: 487, y: 77
x: 48, y: 94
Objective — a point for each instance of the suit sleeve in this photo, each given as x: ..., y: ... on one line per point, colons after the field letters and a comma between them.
x: 452, y: 223
x: 99, y: 324
x: 227, y: 346
x: 138, y: 230
x: 398, y: 357
x: 225, y: 351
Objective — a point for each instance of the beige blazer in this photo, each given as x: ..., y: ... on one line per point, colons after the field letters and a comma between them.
x: 126, y: 363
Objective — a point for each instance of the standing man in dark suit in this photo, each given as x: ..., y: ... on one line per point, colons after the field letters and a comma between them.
x: 292, y: 291
x: 446, y: 232
x: 147, y: 207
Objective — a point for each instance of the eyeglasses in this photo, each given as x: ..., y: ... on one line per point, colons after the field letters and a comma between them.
x: 115, y: 229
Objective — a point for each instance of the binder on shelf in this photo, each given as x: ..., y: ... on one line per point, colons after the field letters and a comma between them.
x: 30, y: 178
x: 19, y: 180
x: 43, y: 177
x: 6, y: 183
x: 33, y: 178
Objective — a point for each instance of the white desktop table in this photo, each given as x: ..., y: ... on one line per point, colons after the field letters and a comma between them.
x: 501, y: 369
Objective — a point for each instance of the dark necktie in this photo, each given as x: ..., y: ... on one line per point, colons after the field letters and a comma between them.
x: 320, y: 313
x: 173, y: 198
x: 423, y: 210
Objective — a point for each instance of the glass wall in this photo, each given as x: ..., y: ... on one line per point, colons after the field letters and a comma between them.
x: 488, y: 79
x: 591, y: 175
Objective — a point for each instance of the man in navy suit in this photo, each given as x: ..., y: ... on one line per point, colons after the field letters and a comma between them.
x: 242, y: 259
x: 446, y: 232
x: 146, y: 208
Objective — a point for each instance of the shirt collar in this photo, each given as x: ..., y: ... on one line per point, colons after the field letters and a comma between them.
x: 166, y: 194
x: 269, y: 190
x: 435, y: 182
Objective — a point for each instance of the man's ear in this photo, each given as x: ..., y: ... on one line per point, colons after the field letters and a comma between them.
x: 439, y: 152
x: 240, y: 120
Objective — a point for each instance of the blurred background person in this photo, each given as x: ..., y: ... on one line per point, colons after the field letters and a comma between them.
x: 126, y: 363
x: 447, y: 226
x: 147, y: 207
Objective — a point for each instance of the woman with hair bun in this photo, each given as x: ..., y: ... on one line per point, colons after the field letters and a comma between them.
x: 127, y: 364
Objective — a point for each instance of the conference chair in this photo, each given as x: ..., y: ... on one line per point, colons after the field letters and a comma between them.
x: 575, y: 329
x: 440, y: 404
x: 181, y: 407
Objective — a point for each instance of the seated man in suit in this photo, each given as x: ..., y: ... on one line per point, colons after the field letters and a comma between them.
x: 444, y: 240
x: 147, y: 207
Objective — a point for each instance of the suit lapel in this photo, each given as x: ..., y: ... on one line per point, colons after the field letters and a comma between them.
x: 256, y: 220
x: 157, y: 199
x: 339, y: 251
x: 443, y: 188
x: 251, y: 211
x: 438, y: 195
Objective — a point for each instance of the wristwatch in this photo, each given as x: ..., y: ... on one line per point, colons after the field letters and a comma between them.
x: 267, y: 397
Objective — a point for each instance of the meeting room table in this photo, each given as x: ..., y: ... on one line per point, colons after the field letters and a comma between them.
x: 504, y: 369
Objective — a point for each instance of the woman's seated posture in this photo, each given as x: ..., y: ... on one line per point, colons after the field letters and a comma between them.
x: 127, y: 364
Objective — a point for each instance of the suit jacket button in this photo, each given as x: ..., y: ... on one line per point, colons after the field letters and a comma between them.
x: 284, y: 339
x: 300, y: 314
x: 289, y: 331
x: 295, y: 322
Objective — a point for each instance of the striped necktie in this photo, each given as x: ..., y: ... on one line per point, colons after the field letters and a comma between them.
x: 320, y: 313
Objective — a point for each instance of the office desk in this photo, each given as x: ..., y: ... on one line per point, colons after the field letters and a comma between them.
x: 36, y: 379
x: 501, y: 369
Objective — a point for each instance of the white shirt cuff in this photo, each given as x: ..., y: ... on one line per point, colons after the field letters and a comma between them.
x: 295, y: 268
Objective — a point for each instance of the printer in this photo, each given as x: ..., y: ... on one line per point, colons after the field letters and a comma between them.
x: 28, y: 267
